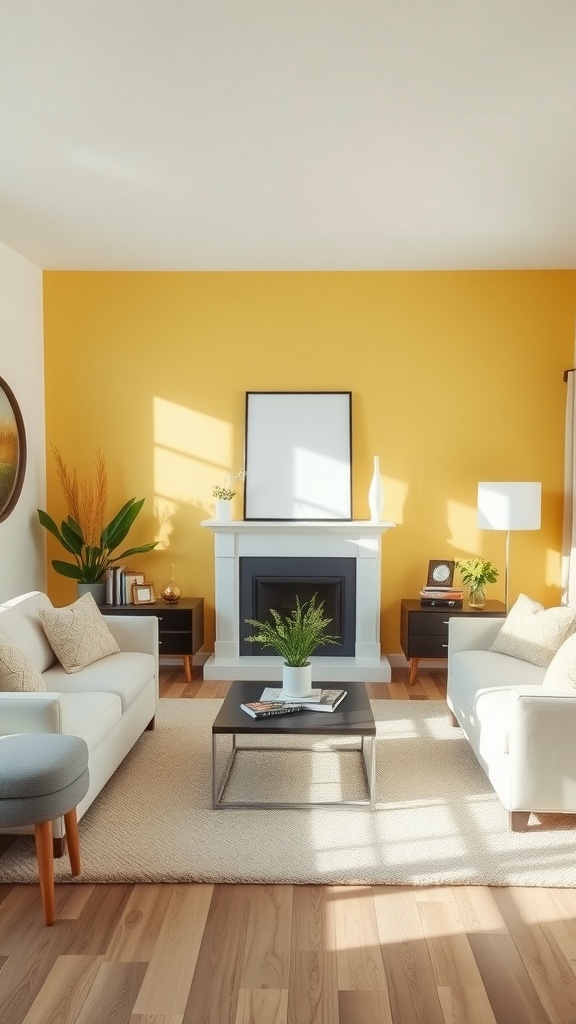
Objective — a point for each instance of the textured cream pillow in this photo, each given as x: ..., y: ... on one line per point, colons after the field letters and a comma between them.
x: 561, y: 672
x: 534, y: 633
x: 17, y: 672
x: 78, y: 634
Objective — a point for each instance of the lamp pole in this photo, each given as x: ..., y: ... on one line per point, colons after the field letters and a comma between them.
x: 506, y: 570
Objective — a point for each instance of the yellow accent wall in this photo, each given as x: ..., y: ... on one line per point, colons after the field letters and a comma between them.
x: 456, y: 377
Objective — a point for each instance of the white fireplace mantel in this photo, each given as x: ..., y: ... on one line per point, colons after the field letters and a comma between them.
x: 358, y: 539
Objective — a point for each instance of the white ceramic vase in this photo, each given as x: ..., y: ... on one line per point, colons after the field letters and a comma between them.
x: 376, y: 493
x: 296, y: 682
x: 223, y: 510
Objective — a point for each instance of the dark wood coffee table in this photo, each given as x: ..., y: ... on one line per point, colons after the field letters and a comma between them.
x: 353, y: 718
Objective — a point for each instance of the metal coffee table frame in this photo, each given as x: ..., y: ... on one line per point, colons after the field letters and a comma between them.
x: 354, y: 712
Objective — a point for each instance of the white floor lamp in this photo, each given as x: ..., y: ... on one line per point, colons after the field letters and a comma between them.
x: 509, y: 506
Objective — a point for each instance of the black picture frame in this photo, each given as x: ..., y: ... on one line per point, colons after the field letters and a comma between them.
x: 298, y: 455
x: 12, y: 450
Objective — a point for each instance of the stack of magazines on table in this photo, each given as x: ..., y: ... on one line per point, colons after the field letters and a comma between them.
x: 273, y: 702
x: 441, y: 597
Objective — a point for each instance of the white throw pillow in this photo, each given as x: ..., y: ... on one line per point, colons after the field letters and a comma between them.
x: 561, y: 672
x: 534, y: 633
x: 78, y: 634
x: 17, y: 672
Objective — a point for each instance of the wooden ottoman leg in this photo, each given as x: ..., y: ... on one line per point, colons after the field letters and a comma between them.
x: 43, y: 839
x: 71, y: 826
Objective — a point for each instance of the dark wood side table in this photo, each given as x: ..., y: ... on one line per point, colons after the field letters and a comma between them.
x: 424, y: 629
x: 180, y: 626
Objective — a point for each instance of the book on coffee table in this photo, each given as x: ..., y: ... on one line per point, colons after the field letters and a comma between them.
x: 316, y: 700
x: 267, y: 708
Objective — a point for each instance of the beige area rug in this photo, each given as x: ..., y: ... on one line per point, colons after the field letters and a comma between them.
x: 437, y: 821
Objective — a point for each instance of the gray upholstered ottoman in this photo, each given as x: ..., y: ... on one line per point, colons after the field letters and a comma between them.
x: 43, y: 776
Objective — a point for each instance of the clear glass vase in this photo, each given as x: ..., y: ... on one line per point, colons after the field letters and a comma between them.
x: 477, y: 597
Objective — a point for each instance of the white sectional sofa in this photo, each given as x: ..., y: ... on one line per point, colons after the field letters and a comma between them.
x: 109, y: 703
x: 522, y: 730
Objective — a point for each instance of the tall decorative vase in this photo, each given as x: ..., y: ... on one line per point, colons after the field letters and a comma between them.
x: 296, y: 682
x: 376, y: 493
x: 223, y: 510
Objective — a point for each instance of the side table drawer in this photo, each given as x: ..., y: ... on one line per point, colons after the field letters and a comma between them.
x: 174, y: 643
x: 429, y: 622
x: 174, y: 620
x: 429, y: 646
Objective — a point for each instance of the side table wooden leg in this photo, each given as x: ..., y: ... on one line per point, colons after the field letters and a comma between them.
x: 187, y: 659
x: 413, y: 671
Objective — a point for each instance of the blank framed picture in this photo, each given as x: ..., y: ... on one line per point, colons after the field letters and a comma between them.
x: 298, y: 456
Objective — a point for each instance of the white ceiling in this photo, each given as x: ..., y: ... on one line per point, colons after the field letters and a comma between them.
x: 288, y: 134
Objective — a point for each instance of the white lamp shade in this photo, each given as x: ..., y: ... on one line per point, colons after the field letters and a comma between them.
x: 509, y: 506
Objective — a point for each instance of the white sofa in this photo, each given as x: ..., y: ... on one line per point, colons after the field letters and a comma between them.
x: 108, y: 703
x: 523, y: 733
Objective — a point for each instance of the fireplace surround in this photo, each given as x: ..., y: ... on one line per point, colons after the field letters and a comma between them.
x: 357, y: 542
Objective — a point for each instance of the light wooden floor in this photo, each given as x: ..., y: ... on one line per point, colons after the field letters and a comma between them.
x: 246, y: 954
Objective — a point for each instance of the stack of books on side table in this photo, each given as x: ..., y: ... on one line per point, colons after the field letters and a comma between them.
x: 441, y: 597
x: 273, y: 702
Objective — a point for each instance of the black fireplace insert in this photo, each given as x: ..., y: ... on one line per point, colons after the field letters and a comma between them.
x: 275, y: 582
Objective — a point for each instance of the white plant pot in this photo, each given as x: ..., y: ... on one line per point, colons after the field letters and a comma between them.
x: 223, y: 510
x: 296, y: 682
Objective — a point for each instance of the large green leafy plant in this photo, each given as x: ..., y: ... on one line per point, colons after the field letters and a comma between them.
x: 92, y: 544
x: 297, y: 635
x: 477, y: 572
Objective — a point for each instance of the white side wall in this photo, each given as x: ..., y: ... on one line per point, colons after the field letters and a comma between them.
x: 22, y: 541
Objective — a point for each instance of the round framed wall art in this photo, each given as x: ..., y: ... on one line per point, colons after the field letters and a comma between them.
x: 12, y: 450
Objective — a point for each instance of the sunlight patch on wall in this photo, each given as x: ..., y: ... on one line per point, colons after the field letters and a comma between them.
x: 463, y: 531
x: 192, y: 452
x: 317, y: 485
x: 395, y: 497
x: 553, y: 570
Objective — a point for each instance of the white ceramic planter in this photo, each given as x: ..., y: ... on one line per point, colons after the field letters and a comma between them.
x: 223, y: 510
x: 296, y: 682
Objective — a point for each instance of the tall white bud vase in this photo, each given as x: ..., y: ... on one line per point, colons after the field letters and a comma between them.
x: 376, y: 493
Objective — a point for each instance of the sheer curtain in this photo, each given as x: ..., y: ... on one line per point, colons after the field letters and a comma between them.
x: 569, y: 524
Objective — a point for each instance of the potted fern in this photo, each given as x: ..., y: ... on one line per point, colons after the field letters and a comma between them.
x: 295, y: 637
x: 476, y: 573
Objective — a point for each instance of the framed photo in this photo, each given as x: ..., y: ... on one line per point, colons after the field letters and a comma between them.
x: 12, y: 450
x: 440, y: 572
x: 130, y: 579
x: 298, y: 456
x: 143, y: 593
